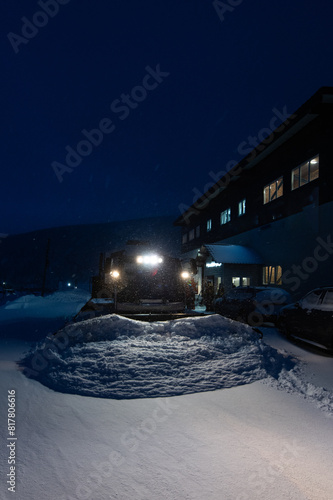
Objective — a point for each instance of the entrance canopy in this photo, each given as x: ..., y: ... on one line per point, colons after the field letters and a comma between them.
x: 233, y: 254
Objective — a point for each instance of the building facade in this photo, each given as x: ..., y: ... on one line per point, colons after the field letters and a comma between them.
x: 269, y: 219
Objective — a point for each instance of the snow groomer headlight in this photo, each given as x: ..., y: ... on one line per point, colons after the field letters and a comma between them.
x: 149, y: 260
x: 115, y: 274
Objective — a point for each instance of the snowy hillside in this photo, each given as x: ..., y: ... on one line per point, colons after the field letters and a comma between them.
x: 74, y: 250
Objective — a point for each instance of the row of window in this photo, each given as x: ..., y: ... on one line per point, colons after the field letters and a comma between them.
x: 272, y: 275
x: 307, y: 172
x: 193, y: 233
x: 301, y: 175
x: 225, y: 216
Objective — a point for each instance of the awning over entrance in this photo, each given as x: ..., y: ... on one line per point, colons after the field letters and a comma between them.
x: 233, y: 254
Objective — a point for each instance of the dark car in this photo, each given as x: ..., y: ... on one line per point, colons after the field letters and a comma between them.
x: 310, y: 319
x: 252, y: 304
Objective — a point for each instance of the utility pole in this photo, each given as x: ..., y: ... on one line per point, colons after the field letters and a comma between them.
x: 46, y: 265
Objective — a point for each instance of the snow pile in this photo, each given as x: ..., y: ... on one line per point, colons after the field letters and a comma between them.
x: 115, y: 357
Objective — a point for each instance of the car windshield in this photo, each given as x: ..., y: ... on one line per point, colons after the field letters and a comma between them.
x: 312, y: 300
x: 327, y: 302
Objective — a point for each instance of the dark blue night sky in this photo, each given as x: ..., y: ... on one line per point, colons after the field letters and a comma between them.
x: 187, y: 85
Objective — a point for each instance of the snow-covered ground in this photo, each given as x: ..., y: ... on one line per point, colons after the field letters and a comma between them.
x: 228, y: 416
x: 58, y: 305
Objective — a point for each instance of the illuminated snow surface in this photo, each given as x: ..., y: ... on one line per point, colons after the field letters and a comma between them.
x: 116, y: 357
x: 235, y: 442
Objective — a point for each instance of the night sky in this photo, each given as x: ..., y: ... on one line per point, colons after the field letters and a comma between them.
x: 188, y: 82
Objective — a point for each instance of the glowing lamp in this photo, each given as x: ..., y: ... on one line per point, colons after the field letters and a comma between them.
x: 150, y: 260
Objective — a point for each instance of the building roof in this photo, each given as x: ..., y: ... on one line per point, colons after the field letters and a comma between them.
x: 293, y: 124
x: 233, y: 254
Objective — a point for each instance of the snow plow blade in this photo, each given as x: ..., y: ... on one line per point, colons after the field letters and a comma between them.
x: 151, y: 317
x: 153, y: 312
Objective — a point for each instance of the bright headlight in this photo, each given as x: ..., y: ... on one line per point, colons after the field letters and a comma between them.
x: 150, y: 260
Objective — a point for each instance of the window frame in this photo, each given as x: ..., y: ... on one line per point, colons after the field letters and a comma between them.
x: 297, y: 180
x: 272, y: 275
x: 272, y: 188
x: 241, y: 207
x: 226, y: 212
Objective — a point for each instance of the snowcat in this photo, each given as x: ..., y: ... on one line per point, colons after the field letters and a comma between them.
x: 139, y: 283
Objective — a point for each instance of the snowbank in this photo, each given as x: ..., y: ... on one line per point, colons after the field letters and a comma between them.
x: 115, y: 357
x: 59, y: 304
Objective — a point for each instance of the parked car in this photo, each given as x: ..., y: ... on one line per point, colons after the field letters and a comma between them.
x: 311, y: 318
x: 252, y: 304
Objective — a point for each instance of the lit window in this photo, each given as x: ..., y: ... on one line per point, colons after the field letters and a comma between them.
x: 209, y: 224
x: 191, y: 235
x: 197, y: 231
x: 184, y: 239
x: 295, y: 178
x: 314, y: 168
x: 242, y: 207
x: 273, y: 190
x: 225, y: 216
x: 305, y: 173
x: 240, y: 281
x: 236, y: 281
x: 272, y: 275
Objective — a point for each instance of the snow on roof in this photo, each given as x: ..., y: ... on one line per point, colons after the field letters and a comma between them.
x: 233, y: 254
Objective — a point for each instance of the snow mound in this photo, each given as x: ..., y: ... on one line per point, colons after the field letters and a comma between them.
x: 115, y: 357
